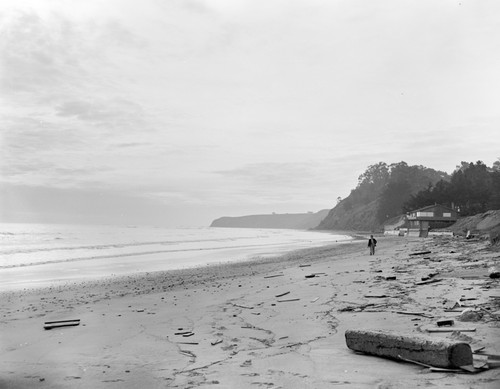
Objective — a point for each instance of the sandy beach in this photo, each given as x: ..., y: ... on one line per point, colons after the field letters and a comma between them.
x: 273, y: 323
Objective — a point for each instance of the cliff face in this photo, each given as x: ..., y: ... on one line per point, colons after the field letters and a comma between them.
x: 298, y: 221
x: 381, y: 194
x: 359, y: 218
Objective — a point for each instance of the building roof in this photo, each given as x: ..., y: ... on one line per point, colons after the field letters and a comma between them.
x: 432, y: 206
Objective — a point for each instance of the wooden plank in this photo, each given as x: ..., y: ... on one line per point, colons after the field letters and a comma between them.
x: 431, y: 281
x: 414, y: 314
x: 445, y: 322
x: 183, y: 333
x: 420, y: 253
x: 423, y: 349
x: 66, y: 323
x: 282, y: 294
x: 275, y: 275
x: 242, y: 306
x: 286, y: 301
x: 61, y: 321
x: 451, y: 329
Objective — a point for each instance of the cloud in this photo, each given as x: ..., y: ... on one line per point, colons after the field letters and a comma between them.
x: 116, y: 113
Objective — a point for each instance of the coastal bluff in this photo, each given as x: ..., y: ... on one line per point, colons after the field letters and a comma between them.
x: 298, y: 221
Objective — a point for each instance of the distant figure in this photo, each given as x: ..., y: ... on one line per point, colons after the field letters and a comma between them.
x: 372, y: 242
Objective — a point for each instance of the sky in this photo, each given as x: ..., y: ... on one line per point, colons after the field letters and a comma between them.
x: 177, y: 112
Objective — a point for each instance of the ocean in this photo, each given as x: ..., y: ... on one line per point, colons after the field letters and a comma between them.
x: 40, y: 255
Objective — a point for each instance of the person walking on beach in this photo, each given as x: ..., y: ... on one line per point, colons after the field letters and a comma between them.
x: 372, y: 242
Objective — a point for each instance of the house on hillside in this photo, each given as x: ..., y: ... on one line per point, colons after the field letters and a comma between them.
x: 420, y: 221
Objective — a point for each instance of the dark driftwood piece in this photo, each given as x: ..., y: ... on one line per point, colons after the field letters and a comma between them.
x: 420, y: 253
x: 431, y: 351
x: 48, y: 325
x: 431, y: 281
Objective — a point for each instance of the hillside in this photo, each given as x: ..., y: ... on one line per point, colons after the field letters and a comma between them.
x: 480, y: 224
x: 380, y: 195
x: 298, y: 221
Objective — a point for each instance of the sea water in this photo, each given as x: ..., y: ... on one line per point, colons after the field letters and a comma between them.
x: 35, y: 255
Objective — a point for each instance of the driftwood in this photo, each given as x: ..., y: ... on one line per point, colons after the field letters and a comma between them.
x: 445, y: 322
x: 494, y: 272
x: 451, y: 329
x: 420, y: 253
x: 423, y: 314
x: 431, y: 281
x: 48, y: 325
x: 427, y: 350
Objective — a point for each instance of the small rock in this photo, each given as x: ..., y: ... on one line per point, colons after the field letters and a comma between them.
x: 470, y: 316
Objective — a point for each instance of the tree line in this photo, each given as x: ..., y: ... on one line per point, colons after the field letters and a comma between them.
x: 394, y: 189
x: 473, y: 188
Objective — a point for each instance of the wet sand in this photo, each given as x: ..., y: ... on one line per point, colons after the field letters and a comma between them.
x: 259, y: 324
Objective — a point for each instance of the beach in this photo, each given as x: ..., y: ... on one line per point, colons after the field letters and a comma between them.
x: 275, y: 322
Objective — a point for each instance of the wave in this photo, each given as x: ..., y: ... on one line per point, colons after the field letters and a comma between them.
x: 115, y: 245
x: 140, y: 253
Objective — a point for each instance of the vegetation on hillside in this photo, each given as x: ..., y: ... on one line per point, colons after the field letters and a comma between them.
x: 381, y: 192
x: 385, y: 191
x: 473, y: 189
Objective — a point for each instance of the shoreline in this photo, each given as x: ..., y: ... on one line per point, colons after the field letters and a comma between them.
x: 252, y: 324
x: 60, y: 271
x: 223, y: 269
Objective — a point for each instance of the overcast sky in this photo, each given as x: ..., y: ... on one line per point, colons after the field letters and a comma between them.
x: 181, y: 111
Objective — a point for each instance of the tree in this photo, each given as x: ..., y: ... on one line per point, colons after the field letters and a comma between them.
x: 392, y: 199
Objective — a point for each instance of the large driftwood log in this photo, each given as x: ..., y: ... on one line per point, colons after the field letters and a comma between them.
x: 431, y: 351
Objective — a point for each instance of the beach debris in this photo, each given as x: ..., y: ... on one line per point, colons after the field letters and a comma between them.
x: 462, y: 369
x: 470, y: 315
x: 282, y: 294
x: 274, y: 275
x: 429, y: 276
x: 304, y: 265
x: 451, y: 329
x: 431, y: 281
x: 390, y: 278
x: 314, y: 299
x: 242, y: 306
x: 414, y: 314
x: 494, y: 272
x: 48, y: 325
x: 183, y: 332
x: 310, y: 275
x: 445, y: 322
x: 216, y: 342
x: 423, y: 349
x: 187, y: 353
x: 193, y: 343
x: 286, y: 301
x: 420, y: 253
x: 376, y: 295
x: 357, y: 308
